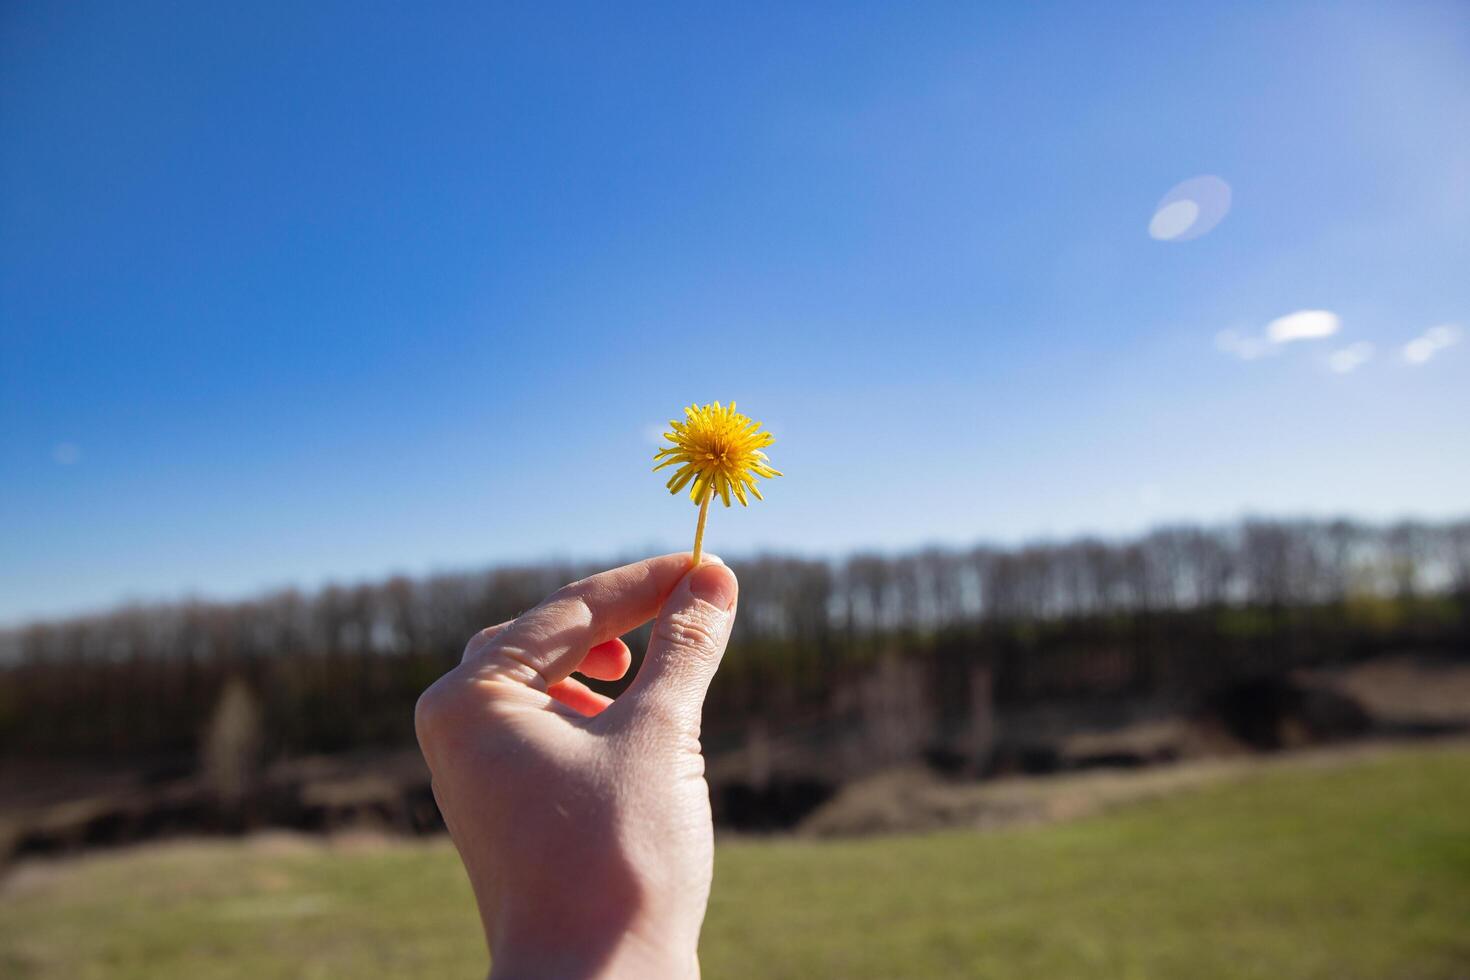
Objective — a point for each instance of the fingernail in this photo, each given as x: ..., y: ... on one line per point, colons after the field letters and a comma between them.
x: 715, y: 584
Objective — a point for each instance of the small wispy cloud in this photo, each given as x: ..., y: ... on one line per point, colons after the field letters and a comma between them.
x: 1301, y: 325
x: 1348, y: 359
x: 1424, y: 347
x: 66, y: 454
x: 653, y: 433
x: 1243, y: 346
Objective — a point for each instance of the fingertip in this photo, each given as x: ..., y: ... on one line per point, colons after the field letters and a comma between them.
x: 714, y: 584
x: 607, y: 661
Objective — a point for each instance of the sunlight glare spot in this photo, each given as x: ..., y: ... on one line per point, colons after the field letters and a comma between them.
x: 1191, y: 208
x: 1173, y: 220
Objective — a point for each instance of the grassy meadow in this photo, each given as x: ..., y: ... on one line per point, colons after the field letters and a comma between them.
x: 1357, y: 870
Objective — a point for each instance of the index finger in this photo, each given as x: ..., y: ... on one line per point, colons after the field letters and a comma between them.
x: 544, y: 645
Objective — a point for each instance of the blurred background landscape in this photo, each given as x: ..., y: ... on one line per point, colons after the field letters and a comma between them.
x: 1113, y: 617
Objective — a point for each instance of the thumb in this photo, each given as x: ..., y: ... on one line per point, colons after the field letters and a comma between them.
x: 689, y: 638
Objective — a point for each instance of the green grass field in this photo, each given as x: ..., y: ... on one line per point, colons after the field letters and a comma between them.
x: 1361, y: 870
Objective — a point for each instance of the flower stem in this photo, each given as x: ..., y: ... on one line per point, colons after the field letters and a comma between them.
x: 709, y: 492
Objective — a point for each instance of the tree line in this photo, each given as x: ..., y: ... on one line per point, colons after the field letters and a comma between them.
x: 340, y: 668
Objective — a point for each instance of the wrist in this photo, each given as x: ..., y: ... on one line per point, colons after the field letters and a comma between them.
x: 628, y: 953
x: 626, y: 961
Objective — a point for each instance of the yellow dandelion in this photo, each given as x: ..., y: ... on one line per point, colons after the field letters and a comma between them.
x: 718, y: 451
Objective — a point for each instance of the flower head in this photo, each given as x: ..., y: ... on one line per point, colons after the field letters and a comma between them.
x: 716, y: 447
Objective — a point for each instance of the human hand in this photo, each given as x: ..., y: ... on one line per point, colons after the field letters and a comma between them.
x: 584, y: 823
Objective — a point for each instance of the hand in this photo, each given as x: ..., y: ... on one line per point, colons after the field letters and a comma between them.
x: 584, y: 823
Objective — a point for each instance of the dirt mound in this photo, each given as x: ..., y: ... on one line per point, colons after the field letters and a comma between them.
x: 915, y: 800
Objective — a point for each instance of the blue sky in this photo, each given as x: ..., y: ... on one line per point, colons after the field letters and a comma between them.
x: 294, y: 294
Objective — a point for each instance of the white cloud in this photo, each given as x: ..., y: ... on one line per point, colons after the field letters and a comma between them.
x: 1431, y: 342
x: 653, y: 433
x: 1302, y: 325
x: 1348, y: 359
x: 66, y: 453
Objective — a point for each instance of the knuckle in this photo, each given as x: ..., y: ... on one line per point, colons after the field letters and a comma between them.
x: 571, y: 590
x: 431, y: 714
x: 579, y: 601
x: 573, y: 594
x: 692, y: 630
x: 480, y: 640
